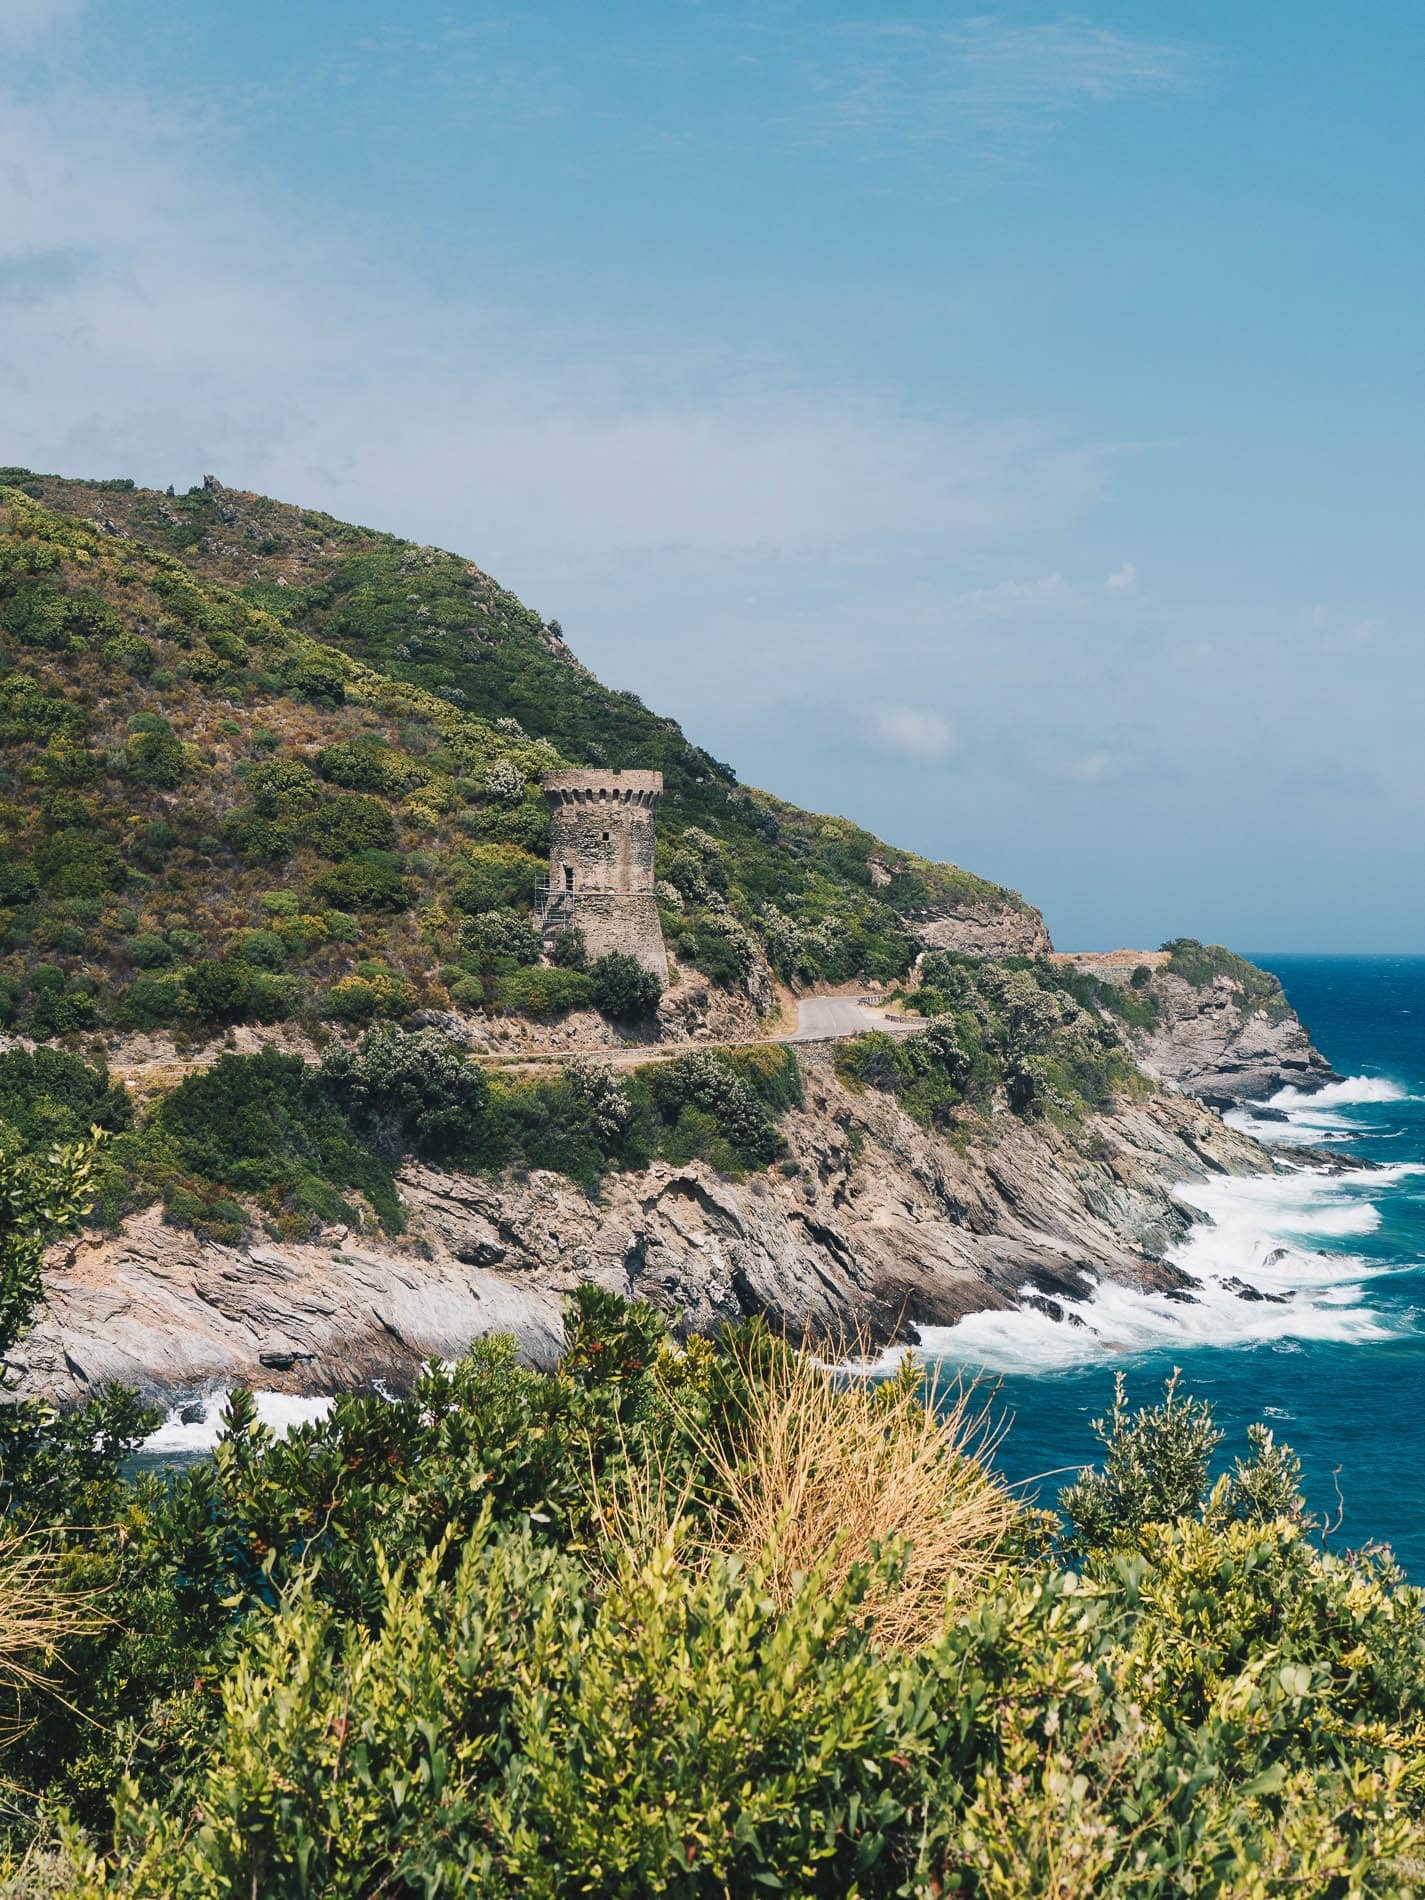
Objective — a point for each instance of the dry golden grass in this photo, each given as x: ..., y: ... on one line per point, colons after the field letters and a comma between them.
x: 38, y: 1616
x: 830, y: 1470
x: 827, y: 1473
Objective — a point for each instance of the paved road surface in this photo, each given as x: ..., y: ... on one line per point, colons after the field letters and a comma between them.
x: 820, y: 1018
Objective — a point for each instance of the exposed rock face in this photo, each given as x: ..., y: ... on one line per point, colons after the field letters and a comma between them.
x: 984, y: 930
x: 885, y: 1225
x: 1207, y: 1042
x: 158, y: 1309
x: 1212, y: 1041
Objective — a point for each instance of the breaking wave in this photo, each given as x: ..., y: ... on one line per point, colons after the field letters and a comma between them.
x: 1356, y: 1091
x: 193, y: 1429
x: 1261, y: 1270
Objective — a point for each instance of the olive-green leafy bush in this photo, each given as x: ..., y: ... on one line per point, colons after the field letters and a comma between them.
x: 512, y: 1633
x: 408, y: 1093
x: 1155, y: 1470
x: 622, y: 988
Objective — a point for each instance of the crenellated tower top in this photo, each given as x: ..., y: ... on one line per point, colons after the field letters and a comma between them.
x: 584, y: 788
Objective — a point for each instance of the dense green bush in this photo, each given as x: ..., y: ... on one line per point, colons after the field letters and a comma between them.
x: 152, y: 1002
x: 931, y: 1074
x: 365, y: 766
x: 75, y: 863
x: 147, y: 950
x: 1029, y: 1028
x: 413, y: 1092
x: 30, y: 710
x: 543, y: 993
x: 265, y: 948
x: 264, y: 1125
x: 45, y: 617
x: 316, y: 674
x: 19, y: 882
x: 568, y: 950
x: 496, y: 877
x: 495, y: 939
x: 622, y: 988
x: 283, y: 788
x: 232, y: 990
x: 49, y: 1095
x: 372, y: 991
x: 155, y: 757
x: 367, y: 883
x: 346, y: 826
x: 60, y: 1002
x: 712, y: 1111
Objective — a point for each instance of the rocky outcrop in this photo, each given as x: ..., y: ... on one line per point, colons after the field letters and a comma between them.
x: 1215, y: 1040
x: 873, y: 1226
x: 983, y: 930
x: 1209, y: 1042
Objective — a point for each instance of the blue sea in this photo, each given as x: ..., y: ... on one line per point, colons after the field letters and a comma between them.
x: 1335, y: 1362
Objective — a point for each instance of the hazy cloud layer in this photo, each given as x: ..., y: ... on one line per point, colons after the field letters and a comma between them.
x: 24, y: 23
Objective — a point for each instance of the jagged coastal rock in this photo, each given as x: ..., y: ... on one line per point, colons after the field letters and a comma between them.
x: 1209, y: 1042
x: 1224, y: 1038
x: 873, y: 1226
x: 984, y: 929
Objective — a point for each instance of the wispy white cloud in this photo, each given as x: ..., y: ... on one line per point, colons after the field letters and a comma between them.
x: 1123, y: 580
x: 918, y: 83
x: 915, y: 731
x: 1088, y: 767
x: 1016, y: 593
x: 160, y: 325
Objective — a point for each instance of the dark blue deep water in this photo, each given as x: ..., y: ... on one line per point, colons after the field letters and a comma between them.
x: 1337, y: 1367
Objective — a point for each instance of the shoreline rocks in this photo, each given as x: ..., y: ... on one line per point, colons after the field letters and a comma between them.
x: 882, y: 1226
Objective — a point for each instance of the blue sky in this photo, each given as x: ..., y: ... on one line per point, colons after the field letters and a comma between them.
x: 1002, y: 427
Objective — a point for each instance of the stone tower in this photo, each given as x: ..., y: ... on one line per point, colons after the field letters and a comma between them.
x: 601, y: 863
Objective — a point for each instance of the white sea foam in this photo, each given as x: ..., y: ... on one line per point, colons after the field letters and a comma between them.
x: 1317, y: 1117
x: 1298, y: 1132
x: 198, y: 1433
x: 1355, y: 1091
x: 1257, y: 1232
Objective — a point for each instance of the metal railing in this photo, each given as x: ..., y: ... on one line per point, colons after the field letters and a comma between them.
x: 554, y: 908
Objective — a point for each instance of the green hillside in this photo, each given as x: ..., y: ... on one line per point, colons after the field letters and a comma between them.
x: 259, y: 765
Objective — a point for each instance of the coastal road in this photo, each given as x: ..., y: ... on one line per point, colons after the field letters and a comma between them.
x: 819, y: 1019
x: 824, y: 1018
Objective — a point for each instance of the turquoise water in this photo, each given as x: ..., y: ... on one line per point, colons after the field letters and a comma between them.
x: 1336, y: 1362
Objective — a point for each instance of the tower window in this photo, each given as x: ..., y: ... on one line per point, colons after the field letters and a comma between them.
x: 606, y: 837
x: 568, y: 877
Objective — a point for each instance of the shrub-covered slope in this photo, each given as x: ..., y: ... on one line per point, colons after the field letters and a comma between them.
x: 693, y: 1622
x: 256, y: 764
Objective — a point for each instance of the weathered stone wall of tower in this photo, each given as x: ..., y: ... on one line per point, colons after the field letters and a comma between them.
x: 601, y: 862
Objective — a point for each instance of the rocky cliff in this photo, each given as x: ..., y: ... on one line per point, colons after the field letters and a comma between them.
x: 1221, y: 1028
x: 983, y: 930
x: 873, y: 1225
